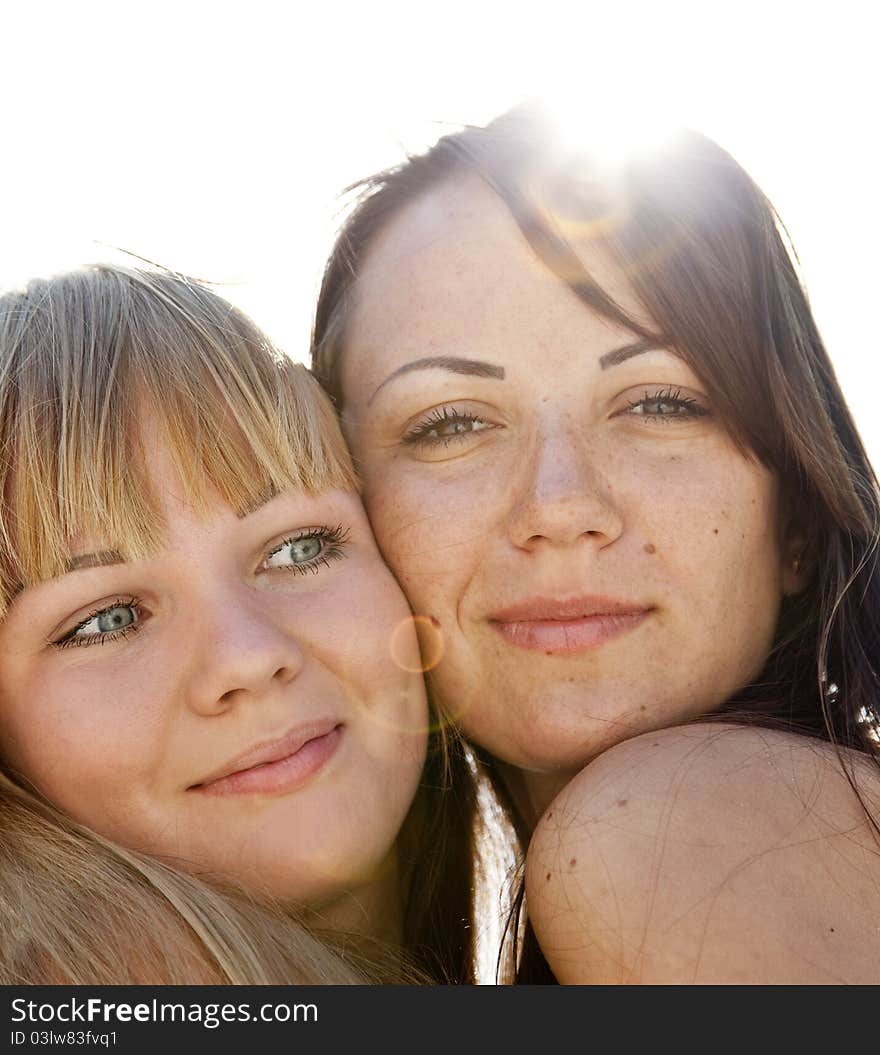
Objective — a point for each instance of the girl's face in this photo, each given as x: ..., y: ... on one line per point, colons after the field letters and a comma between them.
x: 230, y: 704
x: 599, y: 557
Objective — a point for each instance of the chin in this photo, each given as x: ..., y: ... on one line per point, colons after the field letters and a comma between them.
x: 563, y: 738
x: 297, y: 882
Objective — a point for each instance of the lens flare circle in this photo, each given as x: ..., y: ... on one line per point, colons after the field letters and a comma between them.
x: 417, y: 644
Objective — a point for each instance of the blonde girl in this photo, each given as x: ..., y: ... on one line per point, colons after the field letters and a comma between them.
x: 213, y: 728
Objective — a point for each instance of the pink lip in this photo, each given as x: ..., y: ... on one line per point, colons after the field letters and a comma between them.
x: 280, y: 765
x: 559, y: 627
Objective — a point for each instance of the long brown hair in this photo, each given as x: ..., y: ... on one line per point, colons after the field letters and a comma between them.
x: 707, y: 255
x: 79, y: 354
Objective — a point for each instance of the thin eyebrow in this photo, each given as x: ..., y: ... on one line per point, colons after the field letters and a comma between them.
x: 453, y: 363
x: 619, y: 355
x: 259, y: 502
x: 101, y: 559
x: 109, y: 557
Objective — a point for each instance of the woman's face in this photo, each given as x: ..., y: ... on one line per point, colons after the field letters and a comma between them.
x: 599, y: 557
x: 230, y: 704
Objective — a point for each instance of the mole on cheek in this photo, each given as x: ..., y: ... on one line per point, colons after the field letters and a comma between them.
x: 650, y: 547
x: 714, y: 531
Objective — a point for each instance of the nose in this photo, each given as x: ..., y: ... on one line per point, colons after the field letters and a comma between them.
x: 561, y: 494
x: 242, y: 651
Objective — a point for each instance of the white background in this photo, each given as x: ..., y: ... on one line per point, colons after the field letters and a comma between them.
x: 214, y: 137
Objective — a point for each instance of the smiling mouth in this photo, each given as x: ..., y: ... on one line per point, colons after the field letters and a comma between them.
x: 290, y: 764
x: 566, y: 627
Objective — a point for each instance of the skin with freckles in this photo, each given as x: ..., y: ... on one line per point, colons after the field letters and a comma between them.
x: 714, y: 855
x: 126, y: 688
x: 509, y: 460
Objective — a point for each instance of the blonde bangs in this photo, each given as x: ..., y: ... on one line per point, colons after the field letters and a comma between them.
x: 85, y: 357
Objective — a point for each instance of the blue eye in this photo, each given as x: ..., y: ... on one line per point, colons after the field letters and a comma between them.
x: 300, y: 551
x: 308, y: 551
x: 117, y: 620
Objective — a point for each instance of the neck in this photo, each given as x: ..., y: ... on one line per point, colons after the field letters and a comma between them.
x: 371, y: 910
x: 532, y: 792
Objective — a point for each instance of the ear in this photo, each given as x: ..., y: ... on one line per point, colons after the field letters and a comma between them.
x: 794, y: 563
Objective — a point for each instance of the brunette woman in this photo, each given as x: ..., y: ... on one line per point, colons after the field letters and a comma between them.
x: 604, y: 451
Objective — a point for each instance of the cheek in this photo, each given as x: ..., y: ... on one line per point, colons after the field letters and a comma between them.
x: 714, y: 539
x: 719, y: 509
x: 86, y: 743
x: 362, y: 630
x: 431, y: 526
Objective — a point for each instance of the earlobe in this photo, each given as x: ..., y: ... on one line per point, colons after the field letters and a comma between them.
x: 794, y: 566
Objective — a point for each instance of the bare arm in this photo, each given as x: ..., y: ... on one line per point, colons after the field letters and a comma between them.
x: 710, y: 854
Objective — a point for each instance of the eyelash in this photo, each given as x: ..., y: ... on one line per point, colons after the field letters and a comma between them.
x: 419, y: 434
x: 334, y: 539
x: 686, y: 408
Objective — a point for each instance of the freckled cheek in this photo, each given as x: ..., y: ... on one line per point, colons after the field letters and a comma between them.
x: 430, y: 530
x: 718, y: 547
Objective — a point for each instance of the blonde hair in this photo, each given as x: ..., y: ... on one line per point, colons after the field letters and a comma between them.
x: 75, y: 909
x: 82, y: 355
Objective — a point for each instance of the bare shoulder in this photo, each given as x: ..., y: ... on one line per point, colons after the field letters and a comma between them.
x: 711, y: 854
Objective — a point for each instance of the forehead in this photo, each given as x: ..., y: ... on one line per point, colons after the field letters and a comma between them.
x: 452, y: 268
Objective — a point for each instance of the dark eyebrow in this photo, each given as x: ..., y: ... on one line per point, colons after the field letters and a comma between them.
x: 471, y: 367
x: 619, y: 355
